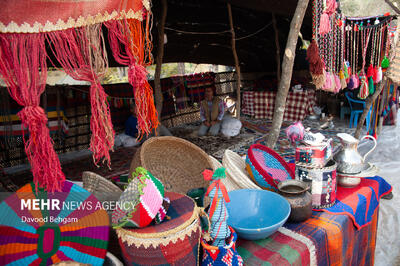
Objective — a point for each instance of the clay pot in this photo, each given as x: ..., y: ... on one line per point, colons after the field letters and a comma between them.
x: 299, y: 197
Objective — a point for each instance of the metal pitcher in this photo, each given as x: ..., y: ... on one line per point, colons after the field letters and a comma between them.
x: 348, y: 159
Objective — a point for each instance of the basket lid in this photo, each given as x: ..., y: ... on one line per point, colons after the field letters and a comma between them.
x: 180, y: 211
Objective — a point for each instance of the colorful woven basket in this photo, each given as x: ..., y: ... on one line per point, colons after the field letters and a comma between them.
x: 322, y: 182
x: 266, y: 167
x: 173, y: 242
x: 222, y: 256
x: 48, y: 235
x: 140, y: 202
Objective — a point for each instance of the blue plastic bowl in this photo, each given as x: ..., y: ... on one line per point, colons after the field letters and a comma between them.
x: 256, y: 214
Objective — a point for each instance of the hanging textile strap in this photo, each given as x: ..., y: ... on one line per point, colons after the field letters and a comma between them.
x: 81, y: 53
x: 119, y: 34
x: 24, y: 70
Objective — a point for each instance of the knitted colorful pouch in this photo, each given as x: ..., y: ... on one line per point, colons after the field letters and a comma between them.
x: 140, y: 202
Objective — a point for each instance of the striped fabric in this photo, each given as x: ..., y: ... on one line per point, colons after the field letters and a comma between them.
x: 327, y: 240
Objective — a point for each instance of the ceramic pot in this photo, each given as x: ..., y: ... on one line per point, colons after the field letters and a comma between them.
x: 299, y: 197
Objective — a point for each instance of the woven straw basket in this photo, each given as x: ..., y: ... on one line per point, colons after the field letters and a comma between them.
x: 93, y: 182
x: 228, y: 181
x: 236, y: 170
x: 176, y: 162
x: 101, y: 188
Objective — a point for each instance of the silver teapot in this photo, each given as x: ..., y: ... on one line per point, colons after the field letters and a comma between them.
x: 348, y: 159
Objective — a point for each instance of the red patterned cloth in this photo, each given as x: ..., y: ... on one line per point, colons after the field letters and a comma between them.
x: 260, y: 104
x: 360, y: 202
x: 43, y: 16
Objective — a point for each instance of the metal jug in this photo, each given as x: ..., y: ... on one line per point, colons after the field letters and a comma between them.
x: 348, y: 159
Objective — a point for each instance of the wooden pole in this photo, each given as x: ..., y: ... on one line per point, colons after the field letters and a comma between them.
x: 237, y: 66
x: 160, y: 54
x: 277, y: 49
x: 287, y: 70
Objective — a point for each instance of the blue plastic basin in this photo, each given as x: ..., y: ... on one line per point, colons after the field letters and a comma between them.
x: 256, y: 214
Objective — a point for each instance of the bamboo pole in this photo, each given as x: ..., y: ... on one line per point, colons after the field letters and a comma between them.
x: 160, y: 54
x: 237, y: 66
x: 287, y: 70
x: 277, y: 49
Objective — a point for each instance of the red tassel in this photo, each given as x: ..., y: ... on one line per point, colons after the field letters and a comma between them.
x: 375, y: 76
x: 370, y: 71
x: 325, y: 25
x: 316, y: 64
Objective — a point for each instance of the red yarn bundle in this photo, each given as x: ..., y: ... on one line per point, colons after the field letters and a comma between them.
x: 23, y: 67
x: 81, y: 55
x: 119, y: 32
x: 316, y: 65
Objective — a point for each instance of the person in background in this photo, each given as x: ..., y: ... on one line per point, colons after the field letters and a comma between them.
x: 132, y: 123
x: 211, y: 113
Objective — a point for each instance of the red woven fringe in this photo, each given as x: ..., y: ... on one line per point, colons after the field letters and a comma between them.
x: 81, y: 55
x: 23, y: 67
x: 102, y: 139
x: 120, y: 32
x: 44, y: 161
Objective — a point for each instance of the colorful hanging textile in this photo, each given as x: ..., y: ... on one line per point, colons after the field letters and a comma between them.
x: 126, y: 32
x: 72, y: 30
x: 23, y: 68
x: 82, y: 56
x: 29, y: 16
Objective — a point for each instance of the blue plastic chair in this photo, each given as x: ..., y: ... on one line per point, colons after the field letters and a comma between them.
x: 356, y: 109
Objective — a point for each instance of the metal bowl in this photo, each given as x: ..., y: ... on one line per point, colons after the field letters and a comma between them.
x: 348, y: 181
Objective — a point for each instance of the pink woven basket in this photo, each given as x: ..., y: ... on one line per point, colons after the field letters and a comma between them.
x: 266, y: 167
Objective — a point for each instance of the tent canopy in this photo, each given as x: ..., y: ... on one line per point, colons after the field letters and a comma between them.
x: 198, y: 31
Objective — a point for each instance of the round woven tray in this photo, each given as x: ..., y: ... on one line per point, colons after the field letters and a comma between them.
x: 178, y: 163
x: 93, y: 182
x: 236, y: 169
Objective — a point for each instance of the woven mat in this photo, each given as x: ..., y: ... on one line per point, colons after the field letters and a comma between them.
x: 120, y: 161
